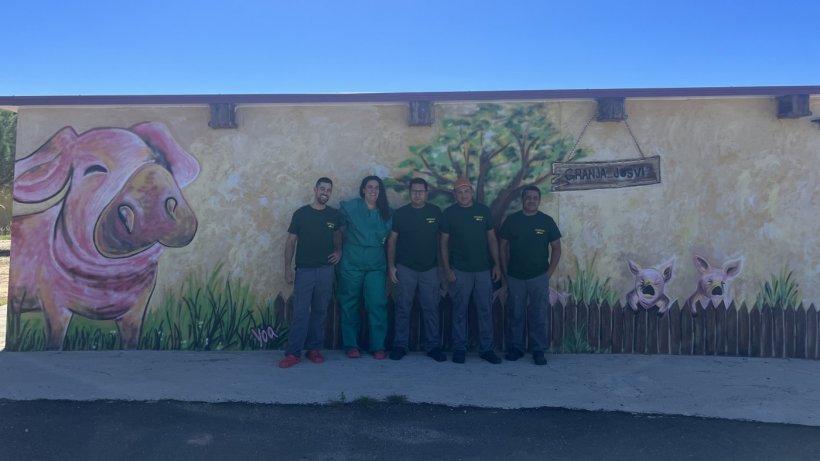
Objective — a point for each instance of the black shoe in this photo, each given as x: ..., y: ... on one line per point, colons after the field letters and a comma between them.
x: 398, y: 353
x: 490, y: 357
x: 514, y: 354
x: 538, y: 358
x: 437, y: 355
x: 459, y: 356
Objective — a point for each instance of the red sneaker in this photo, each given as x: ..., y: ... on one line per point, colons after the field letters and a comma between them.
x: 379, y: 355
x: 289, y: 361
x: 353, y: 353
x: 315, y: 357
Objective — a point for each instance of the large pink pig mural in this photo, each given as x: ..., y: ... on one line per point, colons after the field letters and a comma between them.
x: 95, y: 212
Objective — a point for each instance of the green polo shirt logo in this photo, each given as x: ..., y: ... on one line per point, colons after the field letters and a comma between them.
x: 331, y: 225
x: 478, y: 218
x: 431, y: 220
x: 540, y: 231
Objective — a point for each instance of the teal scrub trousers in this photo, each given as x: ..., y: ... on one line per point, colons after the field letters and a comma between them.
x: 362, y: 274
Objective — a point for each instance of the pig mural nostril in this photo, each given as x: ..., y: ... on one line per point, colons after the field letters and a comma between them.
x: 126, y: 214
x: 648, y: 290
x: 171, y: 205
x: 717, y: 291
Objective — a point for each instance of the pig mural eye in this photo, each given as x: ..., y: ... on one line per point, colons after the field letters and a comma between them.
x: 95, y: 169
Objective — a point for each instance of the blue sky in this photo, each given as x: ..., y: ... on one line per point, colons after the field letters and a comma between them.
x: 58, y: 47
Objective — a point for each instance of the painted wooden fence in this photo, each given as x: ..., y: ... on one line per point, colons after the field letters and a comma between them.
x: 743, y: 331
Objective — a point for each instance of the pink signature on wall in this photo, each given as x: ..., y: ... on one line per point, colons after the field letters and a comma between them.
x: 263, y: 335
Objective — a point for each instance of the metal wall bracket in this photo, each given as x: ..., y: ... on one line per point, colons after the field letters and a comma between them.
x: 793, y: 106
x: 421, y: 113
x: 223, y: 115
x: 611, y: 109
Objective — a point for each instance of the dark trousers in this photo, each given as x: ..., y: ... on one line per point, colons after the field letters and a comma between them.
x: 425, y: 285
x: 312, y: 291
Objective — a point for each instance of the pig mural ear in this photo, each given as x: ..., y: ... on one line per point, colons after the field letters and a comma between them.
x: 666, y: 269
x: 44, y: 175
x: 701, y: 263
x: 733, y: 267
x: 184, y: 166
x: 634, y: 267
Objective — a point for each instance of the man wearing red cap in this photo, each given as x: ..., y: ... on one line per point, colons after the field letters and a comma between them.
x: 469, y: 256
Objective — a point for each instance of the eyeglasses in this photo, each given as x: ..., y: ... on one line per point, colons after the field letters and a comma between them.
x: 418, y: 191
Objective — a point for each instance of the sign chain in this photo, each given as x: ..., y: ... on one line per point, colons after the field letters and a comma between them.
x: 584, y: 130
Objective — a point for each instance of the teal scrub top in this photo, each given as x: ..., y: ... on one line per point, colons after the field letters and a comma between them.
x: 365, y: 233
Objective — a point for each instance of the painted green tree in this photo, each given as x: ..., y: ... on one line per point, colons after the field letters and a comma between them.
x: 8, y: 139
x: 501, y: 148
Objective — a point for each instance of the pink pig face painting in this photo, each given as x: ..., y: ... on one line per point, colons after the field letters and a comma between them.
x: 93, y: 212
x: 649, y: 286
x: 714, y: 283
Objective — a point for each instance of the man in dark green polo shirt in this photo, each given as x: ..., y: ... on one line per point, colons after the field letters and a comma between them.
x: 316, y: 229
x: 412, y: 263
x: 527, y: 237
x: 469, y: 256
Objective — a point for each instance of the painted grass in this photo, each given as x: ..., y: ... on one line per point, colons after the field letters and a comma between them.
x: 206, y: 313
x: 588, y: 287
x: 25, y: 332
x: 575, y: 341
x: 781, y: 290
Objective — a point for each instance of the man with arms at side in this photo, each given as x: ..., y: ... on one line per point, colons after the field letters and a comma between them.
x: 412, y: 264
x: 527, y: 239
x: 469, y: 257
x: 316, y: 229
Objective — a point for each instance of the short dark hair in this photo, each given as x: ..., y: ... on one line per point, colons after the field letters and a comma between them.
x: 419, y: 181
x: 324, y: 179
x: 530, y: 188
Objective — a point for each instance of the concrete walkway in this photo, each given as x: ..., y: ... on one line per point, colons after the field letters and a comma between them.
x: 767, y: 390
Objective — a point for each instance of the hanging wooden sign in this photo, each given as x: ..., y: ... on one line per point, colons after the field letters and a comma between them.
x: 605, y: 175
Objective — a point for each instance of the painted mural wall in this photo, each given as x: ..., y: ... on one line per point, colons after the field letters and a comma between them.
x: 143, y: 227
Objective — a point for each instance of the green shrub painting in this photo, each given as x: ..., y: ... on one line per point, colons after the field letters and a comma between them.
x: 206, y: 313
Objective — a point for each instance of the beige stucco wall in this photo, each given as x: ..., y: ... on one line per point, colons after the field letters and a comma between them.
x: 736, y: 181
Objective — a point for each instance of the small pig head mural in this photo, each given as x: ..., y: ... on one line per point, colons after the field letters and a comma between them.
x: 649, y: 286
x: 713, y: 284
x: 93, y: 213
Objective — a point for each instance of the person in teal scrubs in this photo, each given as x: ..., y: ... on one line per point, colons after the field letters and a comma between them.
x: 366, y: 223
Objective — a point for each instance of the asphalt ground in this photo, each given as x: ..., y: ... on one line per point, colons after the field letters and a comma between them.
x: 366, y: 430
x: 747, y: 389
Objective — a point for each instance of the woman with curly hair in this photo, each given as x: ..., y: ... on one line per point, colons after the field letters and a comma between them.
x: 366, y: 223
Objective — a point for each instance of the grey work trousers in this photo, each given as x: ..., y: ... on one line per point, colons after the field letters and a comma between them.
x: 537, y: 289
x: 426, y: 285
x: 479, y: 286
x: 312, y: 290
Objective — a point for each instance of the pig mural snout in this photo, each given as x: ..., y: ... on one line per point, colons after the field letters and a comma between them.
x: 170, y: 207
x: 648, y: 290
x: 126, y: 214
x: 717, y: 291
x: 149, y: 209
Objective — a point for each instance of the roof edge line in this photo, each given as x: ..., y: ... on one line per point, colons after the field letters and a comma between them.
x: 442, y: 96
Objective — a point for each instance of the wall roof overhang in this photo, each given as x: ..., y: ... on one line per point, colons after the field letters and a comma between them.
x: 447, y: 96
